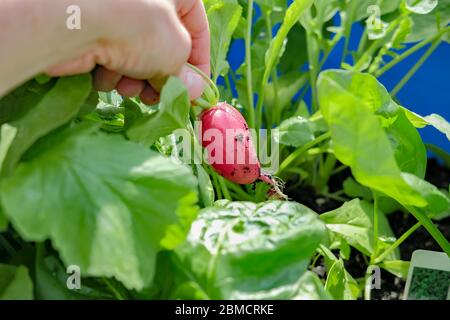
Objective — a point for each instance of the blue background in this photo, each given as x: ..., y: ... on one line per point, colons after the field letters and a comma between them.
x: 428, y: 91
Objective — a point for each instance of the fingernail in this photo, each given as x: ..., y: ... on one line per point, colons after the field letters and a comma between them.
x: 195, y: 84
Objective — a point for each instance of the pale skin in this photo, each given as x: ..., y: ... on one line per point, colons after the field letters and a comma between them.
x: 130, y: 45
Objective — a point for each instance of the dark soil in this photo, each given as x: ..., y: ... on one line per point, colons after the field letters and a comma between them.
x: 392, y: 287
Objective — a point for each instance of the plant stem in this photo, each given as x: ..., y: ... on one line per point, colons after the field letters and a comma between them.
x: 226, y: 193
x: 116, y: 293
x: 362, y: 42
x: 313, y: 61
x: 409, y: 52
x: 248, y: 63
x: 238, y: 191
x: 275, y: 111
x: 431, y: 228
x: 297, y: 153
x: 375, y: 223
x: 216, y: 185
x: 416, y: 67
x: 397, y: 243
x: 375, y: 46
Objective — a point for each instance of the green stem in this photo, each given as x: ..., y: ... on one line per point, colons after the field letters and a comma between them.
x: 116, y: 293
x: 224, y: 187
x: 216, y: 184
x: 416, y: 67
x: 410, y: 51
x: 348, y: 29
x: 375, y: 46
x: 313, y: 60
x: 431, y: 228
x: 208, y: 80
x: 239, y: 192
x: 375, y: 223
x: 397, y: 243
x: 275, y: 112
x: 248, y: 63
x: 300, y: 151
x: 362, y: 42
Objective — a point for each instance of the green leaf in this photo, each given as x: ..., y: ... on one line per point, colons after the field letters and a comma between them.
x: 293, y: 14
x: 421, y: 6
x: 51, y: 281
x: 223, y: 16
x: 295, y: 132
x: 340, y: 284
x: 398, y: 268
x: 439, y: 123
x: 56, y: 108
x: 409, y: 150
x: 310, y: 287
x: 438, y: 202
x: 355, y: 190
x: 243, y: 250
x: 15, y: 283
x: 104, y: 210
x: 173, y: 114
x: 353, y: 221
x: 3, y: 220
x: 21, y: 100
x: 428, y: 25
x: 435, y: 120
x: 287, y: 87
x: 294, y: 59
x: 359, y: 139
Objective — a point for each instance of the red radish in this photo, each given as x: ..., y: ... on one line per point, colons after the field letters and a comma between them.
x: 231, y: 152
x: 226, y: 137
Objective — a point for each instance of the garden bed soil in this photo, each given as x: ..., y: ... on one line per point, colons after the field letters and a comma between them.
x: 392, y: 287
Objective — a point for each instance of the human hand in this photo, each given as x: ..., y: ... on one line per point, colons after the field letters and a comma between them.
x: 140, y: 43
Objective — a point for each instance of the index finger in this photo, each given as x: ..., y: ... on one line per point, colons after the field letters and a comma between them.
x: 193, y: 16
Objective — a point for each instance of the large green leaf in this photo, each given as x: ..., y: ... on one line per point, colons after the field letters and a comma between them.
x: 243, y: 250
x: 173, y: 114
x: 21, y: 100
x: 223, y: 16
x: 359, y: 139
x: 353, y: 221
x: 57, y: 107
x: 108, y: 205
x: 15, y: 283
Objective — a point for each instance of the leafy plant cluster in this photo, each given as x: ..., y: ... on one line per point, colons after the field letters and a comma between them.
x: 86, y: 177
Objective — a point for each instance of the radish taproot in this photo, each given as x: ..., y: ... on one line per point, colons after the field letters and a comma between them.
x: 231, y: 151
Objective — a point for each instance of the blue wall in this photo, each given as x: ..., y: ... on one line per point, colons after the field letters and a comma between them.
x: 427, y: 92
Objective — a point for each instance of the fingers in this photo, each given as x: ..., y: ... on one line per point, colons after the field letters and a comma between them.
x: 130, y: 87
x: 149, y: 95
x: 83, y: 64
x: 105, y: 80
x: 193, y: 16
